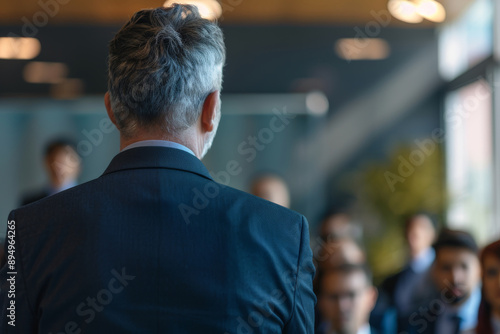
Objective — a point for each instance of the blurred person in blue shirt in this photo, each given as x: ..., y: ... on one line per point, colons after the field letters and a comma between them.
x: 396, y: 300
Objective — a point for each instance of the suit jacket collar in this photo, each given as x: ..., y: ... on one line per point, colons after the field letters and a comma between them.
x: 157, y: 157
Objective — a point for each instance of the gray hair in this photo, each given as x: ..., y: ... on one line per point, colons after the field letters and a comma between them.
x: 163, y: 64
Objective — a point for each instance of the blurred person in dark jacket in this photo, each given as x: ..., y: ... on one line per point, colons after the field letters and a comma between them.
x: 63, y: 167
x: 448, y: 302
x: 396, y: 300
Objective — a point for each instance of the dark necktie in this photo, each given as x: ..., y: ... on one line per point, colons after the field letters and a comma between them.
x: 455, y: 320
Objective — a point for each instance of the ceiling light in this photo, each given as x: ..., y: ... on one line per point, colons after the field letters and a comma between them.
x: 19, y: 48
x: 317, y: 103
x: 362, y: 48
x: 414, y: 11
x: 431, y: 10
x: 208, y: 9
x: 45, y: 72
x: 404, y: 10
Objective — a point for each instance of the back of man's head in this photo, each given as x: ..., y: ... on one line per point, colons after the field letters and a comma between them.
x: 163, y: 63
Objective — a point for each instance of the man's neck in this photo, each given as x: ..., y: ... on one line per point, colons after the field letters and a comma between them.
x: 422, y: 261
x: 57, y: 186
x: 184, y: 139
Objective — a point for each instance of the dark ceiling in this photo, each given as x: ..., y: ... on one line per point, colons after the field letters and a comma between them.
x: 260, y: 59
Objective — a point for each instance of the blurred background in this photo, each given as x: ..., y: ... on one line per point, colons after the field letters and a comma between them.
x: 371, y: 108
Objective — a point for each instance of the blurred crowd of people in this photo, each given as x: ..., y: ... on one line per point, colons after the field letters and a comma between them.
x: 447, y: 286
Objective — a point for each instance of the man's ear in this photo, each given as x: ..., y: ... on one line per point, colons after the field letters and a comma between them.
x: 209, y: 112
x: 107, y: 103
x: 373, y: 292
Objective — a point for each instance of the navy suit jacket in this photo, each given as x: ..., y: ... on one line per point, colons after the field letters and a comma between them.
x: 155, y: 245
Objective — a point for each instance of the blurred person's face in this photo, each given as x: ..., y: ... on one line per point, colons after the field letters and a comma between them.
x: 346, y: 301
x: 336, y: 226
x: 63, y: 165
x: 491, y: 282
x: 456, y: 273
x: 420, y: 234
x: 273, y: 190
x: 338, y: 252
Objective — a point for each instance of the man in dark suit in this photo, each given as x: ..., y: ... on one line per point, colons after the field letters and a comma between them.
x: 449, y: 300
x: 62, y: 164
x: 346, y: 297
x: 396, y: 300
x: 155, y: 245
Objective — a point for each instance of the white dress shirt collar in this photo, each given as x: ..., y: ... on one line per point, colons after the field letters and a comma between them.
x: 423, y: 261
x: 162, y: 143
x: 365, y: 329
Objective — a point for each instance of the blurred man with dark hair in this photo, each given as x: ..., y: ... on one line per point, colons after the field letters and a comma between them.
x: 337, y: 246
x: 62, y: 164
x: 452, y: 306
x: 155, y: 245
x: 345, y: 300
